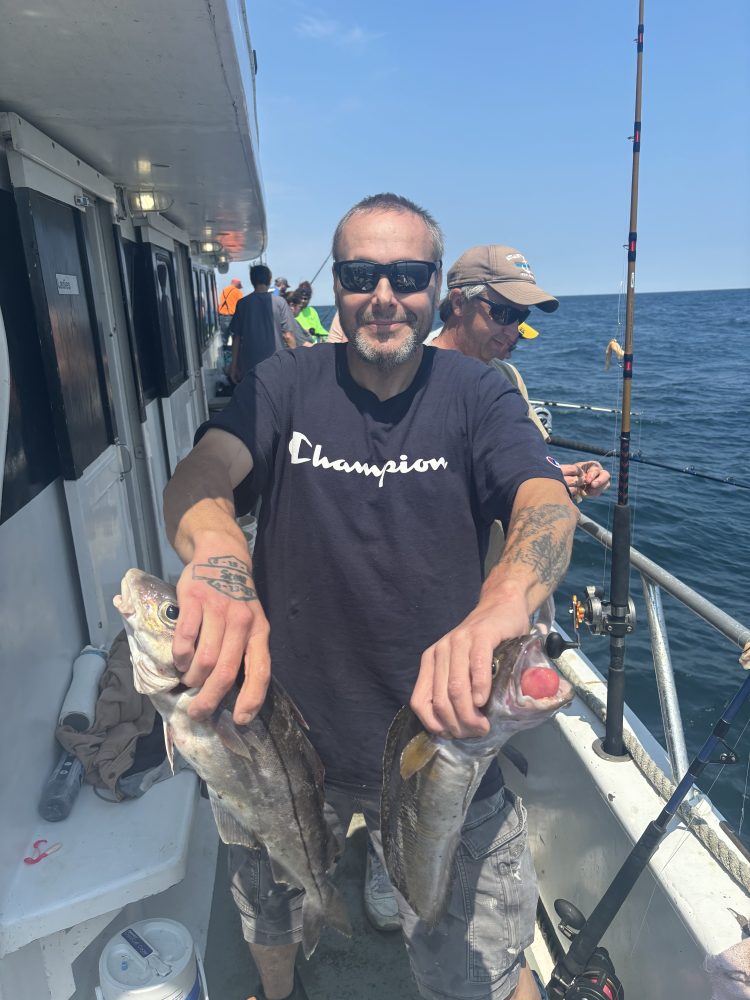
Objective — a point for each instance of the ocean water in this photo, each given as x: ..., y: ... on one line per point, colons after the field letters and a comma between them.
x: 691, y: 409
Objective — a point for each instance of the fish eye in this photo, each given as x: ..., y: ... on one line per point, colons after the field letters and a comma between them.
x: 168, y: 612
x: 495, y: 666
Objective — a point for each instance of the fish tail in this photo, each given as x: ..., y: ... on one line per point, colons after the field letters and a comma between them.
x: 315, y: 916
x: 336, y: 914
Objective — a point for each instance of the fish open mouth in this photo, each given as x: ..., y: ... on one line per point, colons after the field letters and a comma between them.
x: 124, y: 600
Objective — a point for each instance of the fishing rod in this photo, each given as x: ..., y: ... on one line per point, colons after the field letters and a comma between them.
x: 586, y: 971
x: 312, y: 280
x: 616, y: 617
x: 687, y: 470
x: 579, y: 406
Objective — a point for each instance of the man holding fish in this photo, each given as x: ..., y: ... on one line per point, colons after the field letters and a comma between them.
x: 401, y: 457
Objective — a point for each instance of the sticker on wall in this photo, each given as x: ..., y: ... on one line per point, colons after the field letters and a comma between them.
x: 67, y: 284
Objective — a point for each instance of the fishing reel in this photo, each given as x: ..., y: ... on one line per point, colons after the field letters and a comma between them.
x: 598, y: 981
x: 598, y: 616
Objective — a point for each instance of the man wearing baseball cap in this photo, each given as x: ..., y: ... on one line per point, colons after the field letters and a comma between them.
x: 491, y: 290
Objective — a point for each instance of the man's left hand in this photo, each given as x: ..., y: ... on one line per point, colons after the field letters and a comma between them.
x: 586, y: 479
x: 455, y: 675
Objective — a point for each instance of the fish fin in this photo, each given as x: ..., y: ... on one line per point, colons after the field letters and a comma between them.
x: 416, y: 754
x: 312, y: 925
x: 313, y: 918
x: 281, y: 874
x: 296, y: 713
x: 169, y: 744
x: 230, y: 829
x: 471, y: 788
x: 234, y: 740
x: 336, y: 914
x: 299, y: 717
x: 516, y: 758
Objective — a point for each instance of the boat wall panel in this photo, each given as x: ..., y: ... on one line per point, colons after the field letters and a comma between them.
x: 31, y: 460
x: 42, y: 625
x: 156, y: 456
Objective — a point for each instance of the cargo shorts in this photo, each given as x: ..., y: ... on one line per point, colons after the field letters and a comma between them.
x: 476, y: 951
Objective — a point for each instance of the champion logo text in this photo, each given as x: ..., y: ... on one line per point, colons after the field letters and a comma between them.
x: 303, y: 450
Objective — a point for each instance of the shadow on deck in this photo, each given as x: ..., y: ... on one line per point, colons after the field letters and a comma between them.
x: 369, y: 965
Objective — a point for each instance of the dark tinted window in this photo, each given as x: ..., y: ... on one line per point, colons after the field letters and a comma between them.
x: 31, y: 459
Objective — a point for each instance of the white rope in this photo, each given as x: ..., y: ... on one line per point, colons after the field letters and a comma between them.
x: 729, y: 859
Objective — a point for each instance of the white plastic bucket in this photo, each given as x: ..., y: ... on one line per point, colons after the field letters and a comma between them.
x: 151, y: 960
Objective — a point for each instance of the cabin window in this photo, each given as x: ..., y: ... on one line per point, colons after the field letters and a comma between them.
x: 54, y: 246
x: 138, y: 268
x: 205, y: 308
x: 31, y: 458
x: 214, y: 302
x: 158, y: 325
x: 170, y: 327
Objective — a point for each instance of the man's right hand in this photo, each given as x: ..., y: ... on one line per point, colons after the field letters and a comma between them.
x: 221, y: 625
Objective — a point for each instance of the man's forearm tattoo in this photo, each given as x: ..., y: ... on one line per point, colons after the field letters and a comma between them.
x: 229, y: 575
x: 537, y: 538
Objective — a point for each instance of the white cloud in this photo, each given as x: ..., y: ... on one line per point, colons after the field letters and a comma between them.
x: 319, y: 28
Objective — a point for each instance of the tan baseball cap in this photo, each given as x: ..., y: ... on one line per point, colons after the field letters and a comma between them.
x: 505, y: 270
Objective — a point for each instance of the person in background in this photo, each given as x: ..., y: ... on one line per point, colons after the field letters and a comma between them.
x: 308, y: 317
x: 262, y: 324
x: 491, y: 290
x: 335, y: 333
x: 281, y: 287
x: 348, y: 614
x: 228, y: 300
x: 302, y: 337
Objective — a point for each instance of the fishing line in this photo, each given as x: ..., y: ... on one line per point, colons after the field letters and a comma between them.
x: 744, y: 798
x: 686, y: 833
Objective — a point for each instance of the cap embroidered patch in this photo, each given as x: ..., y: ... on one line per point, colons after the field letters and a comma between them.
x: 553, y: 461
x: 526, y: 271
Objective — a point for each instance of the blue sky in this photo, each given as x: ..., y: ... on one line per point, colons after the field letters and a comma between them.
x: 510, y: 123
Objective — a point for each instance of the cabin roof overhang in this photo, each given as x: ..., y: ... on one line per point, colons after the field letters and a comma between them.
x: 155, y: 96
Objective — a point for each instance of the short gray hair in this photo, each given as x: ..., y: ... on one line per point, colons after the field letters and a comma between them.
x: 467, y: 292
x: 389, y: 202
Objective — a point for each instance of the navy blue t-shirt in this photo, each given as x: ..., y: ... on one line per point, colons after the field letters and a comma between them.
x: 373, y: 527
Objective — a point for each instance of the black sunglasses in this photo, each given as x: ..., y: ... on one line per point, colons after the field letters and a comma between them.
x: 505, y: 315
x: 404, y: 275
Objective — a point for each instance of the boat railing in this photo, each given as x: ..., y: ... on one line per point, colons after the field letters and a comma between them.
x: 655, y: 580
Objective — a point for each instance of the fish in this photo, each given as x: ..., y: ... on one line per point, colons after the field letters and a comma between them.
x: 264, y: 780
x: 429, y: 781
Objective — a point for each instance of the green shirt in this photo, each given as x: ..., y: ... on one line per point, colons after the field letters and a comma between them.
x: 308, y: 319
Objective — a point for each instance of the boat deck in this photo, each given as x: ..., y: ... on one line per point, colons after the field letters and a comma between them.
x: 370, y: 966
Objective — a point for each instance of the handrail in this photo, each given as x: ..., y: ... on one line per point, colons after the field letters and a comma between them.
x: 729, y: 627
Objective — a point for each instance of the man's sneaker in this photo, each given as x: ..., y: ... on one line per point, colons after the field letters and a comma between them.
x: 380, y: 903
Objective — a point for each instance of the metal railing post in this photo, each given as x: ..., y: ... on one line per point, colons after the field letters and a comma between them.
x: 670, y: 706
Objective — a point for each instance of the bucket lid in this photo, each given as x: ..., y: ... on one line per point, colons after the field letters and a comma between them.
x: 146, y: 953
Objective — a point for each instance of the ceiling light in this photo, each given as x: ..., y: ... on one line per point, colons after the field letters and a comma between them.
x: 149, y: 201
x: 209, y: 246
